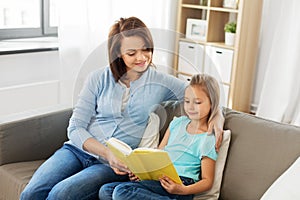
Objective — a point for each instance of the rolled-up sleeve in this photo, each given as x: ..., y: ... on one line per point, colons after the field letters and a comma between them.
x: 84, y: 110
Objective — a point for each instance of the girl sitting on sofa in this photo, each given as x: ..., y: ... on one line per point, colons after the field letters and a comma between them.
x: 191, y: 148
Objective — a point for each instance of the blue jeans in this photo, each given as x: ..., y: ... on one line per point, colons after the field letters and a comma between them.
x: 69, y: 174
x: 145, y: 190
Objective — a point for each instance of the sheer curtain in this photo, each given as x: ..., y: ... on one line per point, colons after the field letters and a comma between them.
x: 279, y: 54
x: 83, y: 30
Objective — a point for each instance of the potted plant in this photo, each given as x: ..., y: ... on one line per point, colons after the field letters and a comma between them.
x: 230, y: 29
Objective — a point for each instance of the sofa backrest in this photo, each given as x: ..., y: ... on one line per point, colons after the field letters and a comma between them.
x: 33, y: 136
x: 260, y: 151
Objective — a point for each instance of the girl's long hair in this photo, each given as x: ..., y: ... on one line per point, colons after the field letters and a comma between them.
x: 211, y: 87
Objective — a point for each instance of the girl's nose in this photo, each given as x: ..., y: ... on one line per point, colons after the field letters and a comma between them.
x: 191, y: 106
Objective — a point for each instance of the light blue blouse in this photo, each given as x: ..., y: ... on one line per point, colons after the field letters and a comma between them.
x: 186, y: 150
x: 98, y: 112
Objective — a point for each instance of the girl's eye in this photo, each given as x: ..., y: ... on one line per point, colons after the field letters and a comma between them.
x: 186, y: 101
x: 198, y: 102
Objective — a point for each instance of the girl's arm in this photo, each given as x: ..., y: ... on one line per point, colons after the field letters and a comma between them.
x: 207, y: 173
x: 165, y: 139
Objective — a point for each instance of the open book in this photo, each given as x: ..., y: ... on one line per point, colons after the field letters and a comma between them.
x: 145, y: 163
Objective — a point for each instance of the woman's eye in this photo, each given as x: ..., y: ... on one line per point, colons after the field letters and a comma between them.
x: 130, y: 54
x: 146, y: 49
x: 198, y: 102
x: 186, y: 102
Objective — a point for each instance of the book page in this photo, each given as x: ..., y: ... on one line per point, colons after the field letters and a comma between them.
x: 118, y: 144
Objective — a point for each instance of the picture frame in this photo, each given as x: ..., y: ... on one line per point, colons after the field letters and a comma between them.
x: 230, y: 4
x: 196, y: 29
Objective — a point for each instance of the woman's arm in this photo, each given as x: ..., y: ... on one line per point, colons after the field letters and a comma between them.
x: 93, y: 146
x: 217, y: 124
x: 83, y: 111
x: 207, y: 173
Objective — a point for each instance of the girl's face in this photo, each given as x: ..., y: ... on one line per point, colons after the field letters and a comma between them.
x: 135, y: 54
x: 196, y: 103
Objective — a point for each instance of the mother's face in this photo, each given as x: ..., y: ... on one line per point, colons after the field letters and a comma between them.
x: 135, y: 54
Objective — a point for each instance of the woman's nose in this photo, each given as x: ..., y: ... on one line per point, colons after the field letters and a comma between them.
x: 140, y: 55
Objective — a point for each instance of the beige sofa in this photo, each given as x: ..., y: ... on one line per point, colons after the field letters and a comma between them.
x: 260, y: 150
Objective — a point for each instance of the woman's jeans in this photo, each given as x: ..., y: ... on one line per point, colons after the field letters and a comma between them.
x: 69, y: 174
x: 144, y: 190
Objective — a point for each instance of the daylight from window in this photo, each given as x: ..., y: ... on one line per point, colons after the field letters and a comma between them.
x: 53, y: 21
x: 19, y: 14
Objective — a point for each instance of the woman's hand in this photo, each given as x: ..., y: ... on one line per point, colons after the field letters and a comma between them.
x: 133, y: 177
x: 217, y: 124
x: 94, y: 146
x: 118, y: 167
x: 172, y: 187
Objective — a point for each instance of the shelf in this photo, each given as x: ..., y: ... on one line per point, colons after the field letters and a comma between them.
x: 215, y: 44
x: 221, y: 9
x: 220, y: 44
x: 192, y: 41
x: 238, y: 86
x: 195, y: 6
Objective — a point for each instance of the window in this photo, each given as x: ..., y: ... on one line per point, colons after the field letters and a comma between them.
x: 28, y: 18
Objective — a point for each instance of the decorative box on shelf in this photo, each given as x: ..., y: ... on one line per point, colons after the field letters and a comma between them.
x: 230, y: 4
x: 196, y: 29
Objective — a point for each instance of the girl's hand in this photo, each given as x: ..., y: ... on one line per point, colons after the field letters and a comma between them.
x: 133, y: 177
x: 172, y: 187
x: 118, y: 167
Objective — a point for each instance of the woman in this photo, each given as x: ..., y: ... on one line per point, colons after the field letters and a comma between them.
x: 115, y: 101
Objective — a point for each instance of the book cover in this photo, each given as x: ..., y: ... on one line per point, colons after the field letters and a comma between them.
x: 145, y: 163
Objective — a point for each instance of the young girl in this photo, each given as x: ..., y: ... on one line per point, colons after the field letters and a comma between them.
x: 191, y: 150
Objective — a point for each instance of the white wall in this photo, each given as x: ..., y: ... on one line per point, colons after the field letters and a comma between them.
x: 37, y: 80
x: 28, y: 81
x: 83, y: 32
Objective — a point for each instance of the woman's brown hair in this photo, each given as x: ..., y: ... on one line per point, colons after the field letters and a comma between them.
x: 125, y: 27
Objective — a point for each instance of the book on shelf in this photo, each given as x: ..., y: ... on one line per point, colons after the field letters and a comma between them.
x: 145, y: 163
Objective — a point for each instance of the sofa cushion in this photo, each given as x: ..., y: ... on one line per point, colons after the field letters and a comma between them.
x: 260, y: 151
x: 14, y: 178
x: 286, y: 186
x: 214, y: 192
x: 150, y: 138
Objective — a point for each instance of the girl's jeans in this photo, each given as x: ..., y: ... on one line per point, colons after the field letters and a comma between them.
x: 144, y: 190
x: 69, y: 174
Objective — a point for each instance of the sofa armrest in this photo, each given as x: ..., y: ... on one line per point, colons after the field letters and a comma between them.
x: 33, y: 137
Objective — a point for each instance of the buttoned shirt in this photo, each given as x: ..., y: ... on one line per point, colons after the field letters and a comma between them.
x: 98, y: 112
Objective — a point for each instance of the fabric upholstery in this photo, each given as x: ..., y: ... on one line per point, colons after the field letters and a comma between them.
x: 14, y: 178
x: 260, y: 151
x: 151, y: 135
x: 286, y: 186
x: 33, y: 138
x: 214, y: 192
